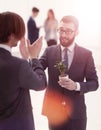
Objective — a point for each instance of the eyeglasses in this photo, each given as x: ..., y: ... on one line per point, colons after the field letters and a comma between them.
x: 68, y: 31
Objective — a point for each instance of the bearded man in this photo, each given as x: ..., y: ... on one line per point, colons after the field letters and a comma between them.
x: 64, y: 101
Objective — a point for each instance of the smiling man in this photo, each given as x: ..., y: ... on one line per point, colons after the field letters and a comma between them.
x: 64, y: 101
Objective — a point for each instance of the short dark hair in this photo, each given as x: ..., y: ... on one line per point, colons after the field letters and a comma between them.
x: 11, y: 23
x: 70, y: 18
x: 35, y: 9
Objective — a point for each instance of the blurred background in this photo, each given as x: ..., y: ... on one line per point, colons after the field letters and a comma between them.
x: 88, y: 14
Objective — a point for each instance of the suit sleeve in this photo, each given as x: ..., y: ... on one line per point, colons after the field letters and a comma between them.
x: 32, y: 77
x: 91, y: 79
x: 44, y: 59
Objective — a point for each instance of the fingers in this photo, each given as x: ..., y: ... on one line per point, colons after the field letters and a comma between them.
x: 34, y: 48
x: 30, y: 50
x: 38, y: 43
x: 23, y: 48
x: 28, y: 42
x: 39, y: 40
x: 68, y: 84
x: 22, y: 42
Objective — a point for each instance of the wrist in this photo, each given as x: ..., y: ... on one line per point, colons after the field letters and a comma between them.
x: 33, y: 57
x: 75, y: 86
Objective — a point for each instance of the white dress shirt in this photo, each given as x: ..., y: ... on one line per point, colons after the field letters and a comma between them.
x: 6, y: 47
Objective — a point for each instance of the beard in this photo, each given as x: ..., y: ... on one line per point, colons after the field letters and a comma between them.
x: 66, y: 42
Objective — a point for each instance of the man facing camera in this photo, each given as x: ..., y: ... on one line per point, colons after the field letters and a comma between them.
x: 64, y: 101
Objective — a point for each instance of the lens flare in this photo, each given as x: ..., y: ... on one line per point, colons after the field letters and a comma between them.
x: 57, y: 108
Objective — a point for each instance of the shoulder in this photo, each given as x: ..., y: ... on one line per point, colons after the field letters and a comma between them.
x: 18, y: 61
x: 15, y: 64
x: 82, y: 49
x: 30, y: 20
x: 83, y: 54
x: 53, y: 47
x: 52, y: 50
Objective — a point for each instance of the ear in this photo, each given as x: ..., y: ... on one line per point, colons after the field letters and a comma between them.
x: 77, y: 32
x: 11, y: 37
x: 12, y: 40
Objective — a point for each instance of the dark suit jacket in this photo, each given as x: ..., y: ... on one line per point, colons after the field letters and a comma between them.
x: 16, y: 78
x: 82, y: 70
x: 33, y: 31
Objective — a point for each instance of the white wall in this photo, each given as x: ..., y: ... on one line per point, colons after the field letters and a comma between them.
x: 87, y: 11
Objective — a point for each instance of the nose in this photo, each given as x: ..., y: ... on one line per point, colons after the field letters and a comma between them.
x: 63, y: 34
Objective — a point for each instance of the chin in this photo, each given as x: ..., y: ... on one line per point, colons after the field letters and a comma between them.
x: 66, y: 44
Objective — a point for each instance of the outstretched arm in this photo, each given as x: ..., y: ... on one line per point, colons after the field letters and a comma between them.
x: 28, y: 50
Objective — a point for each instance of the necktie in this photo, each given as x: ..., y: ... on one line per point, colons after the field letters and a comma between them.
x: 66, y: 57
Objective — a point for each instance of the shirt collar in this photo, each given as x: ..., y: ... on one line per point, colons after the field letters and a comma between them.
x: 6, y: 47
x: 70, y: 48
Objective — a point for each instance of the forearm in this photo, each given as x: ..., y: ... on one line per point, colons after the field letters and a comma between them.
x: 32, y: 76
x: 88, y: 86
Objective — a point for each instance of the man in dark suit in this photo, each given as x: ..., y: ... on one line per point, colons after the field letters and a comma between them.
x: 64, y: 101
x: 17, y: 76
x: 33, y: 30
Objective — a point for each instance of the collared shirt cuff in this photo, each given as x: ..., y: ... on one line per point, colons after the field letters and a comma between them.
x: 78, y: 87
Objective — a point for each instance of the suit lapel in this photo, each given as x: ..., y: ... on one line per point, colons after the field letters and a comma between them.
x: 75, y: 58
x: 58, y: 53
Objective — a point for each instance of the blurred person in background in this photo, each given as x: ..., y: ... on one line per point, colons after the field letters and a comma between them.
x: 32, y: 28
x: 50, y: 27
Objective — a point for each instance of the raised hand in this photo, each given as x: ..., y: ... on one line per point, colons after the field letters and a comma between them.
x: 35, y: 48
x: 28, y: 50
x: 23, y: 49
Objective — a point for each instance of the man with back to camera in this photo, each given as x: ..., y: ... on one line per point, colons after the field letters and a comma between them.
x: 17, y: 77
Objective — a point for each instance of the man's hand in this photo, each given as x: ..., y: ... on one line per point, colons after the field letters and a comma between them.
x: 35, y: 48
x: 23, y: 49
x: 68, y: 84
x: 28, y: 50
